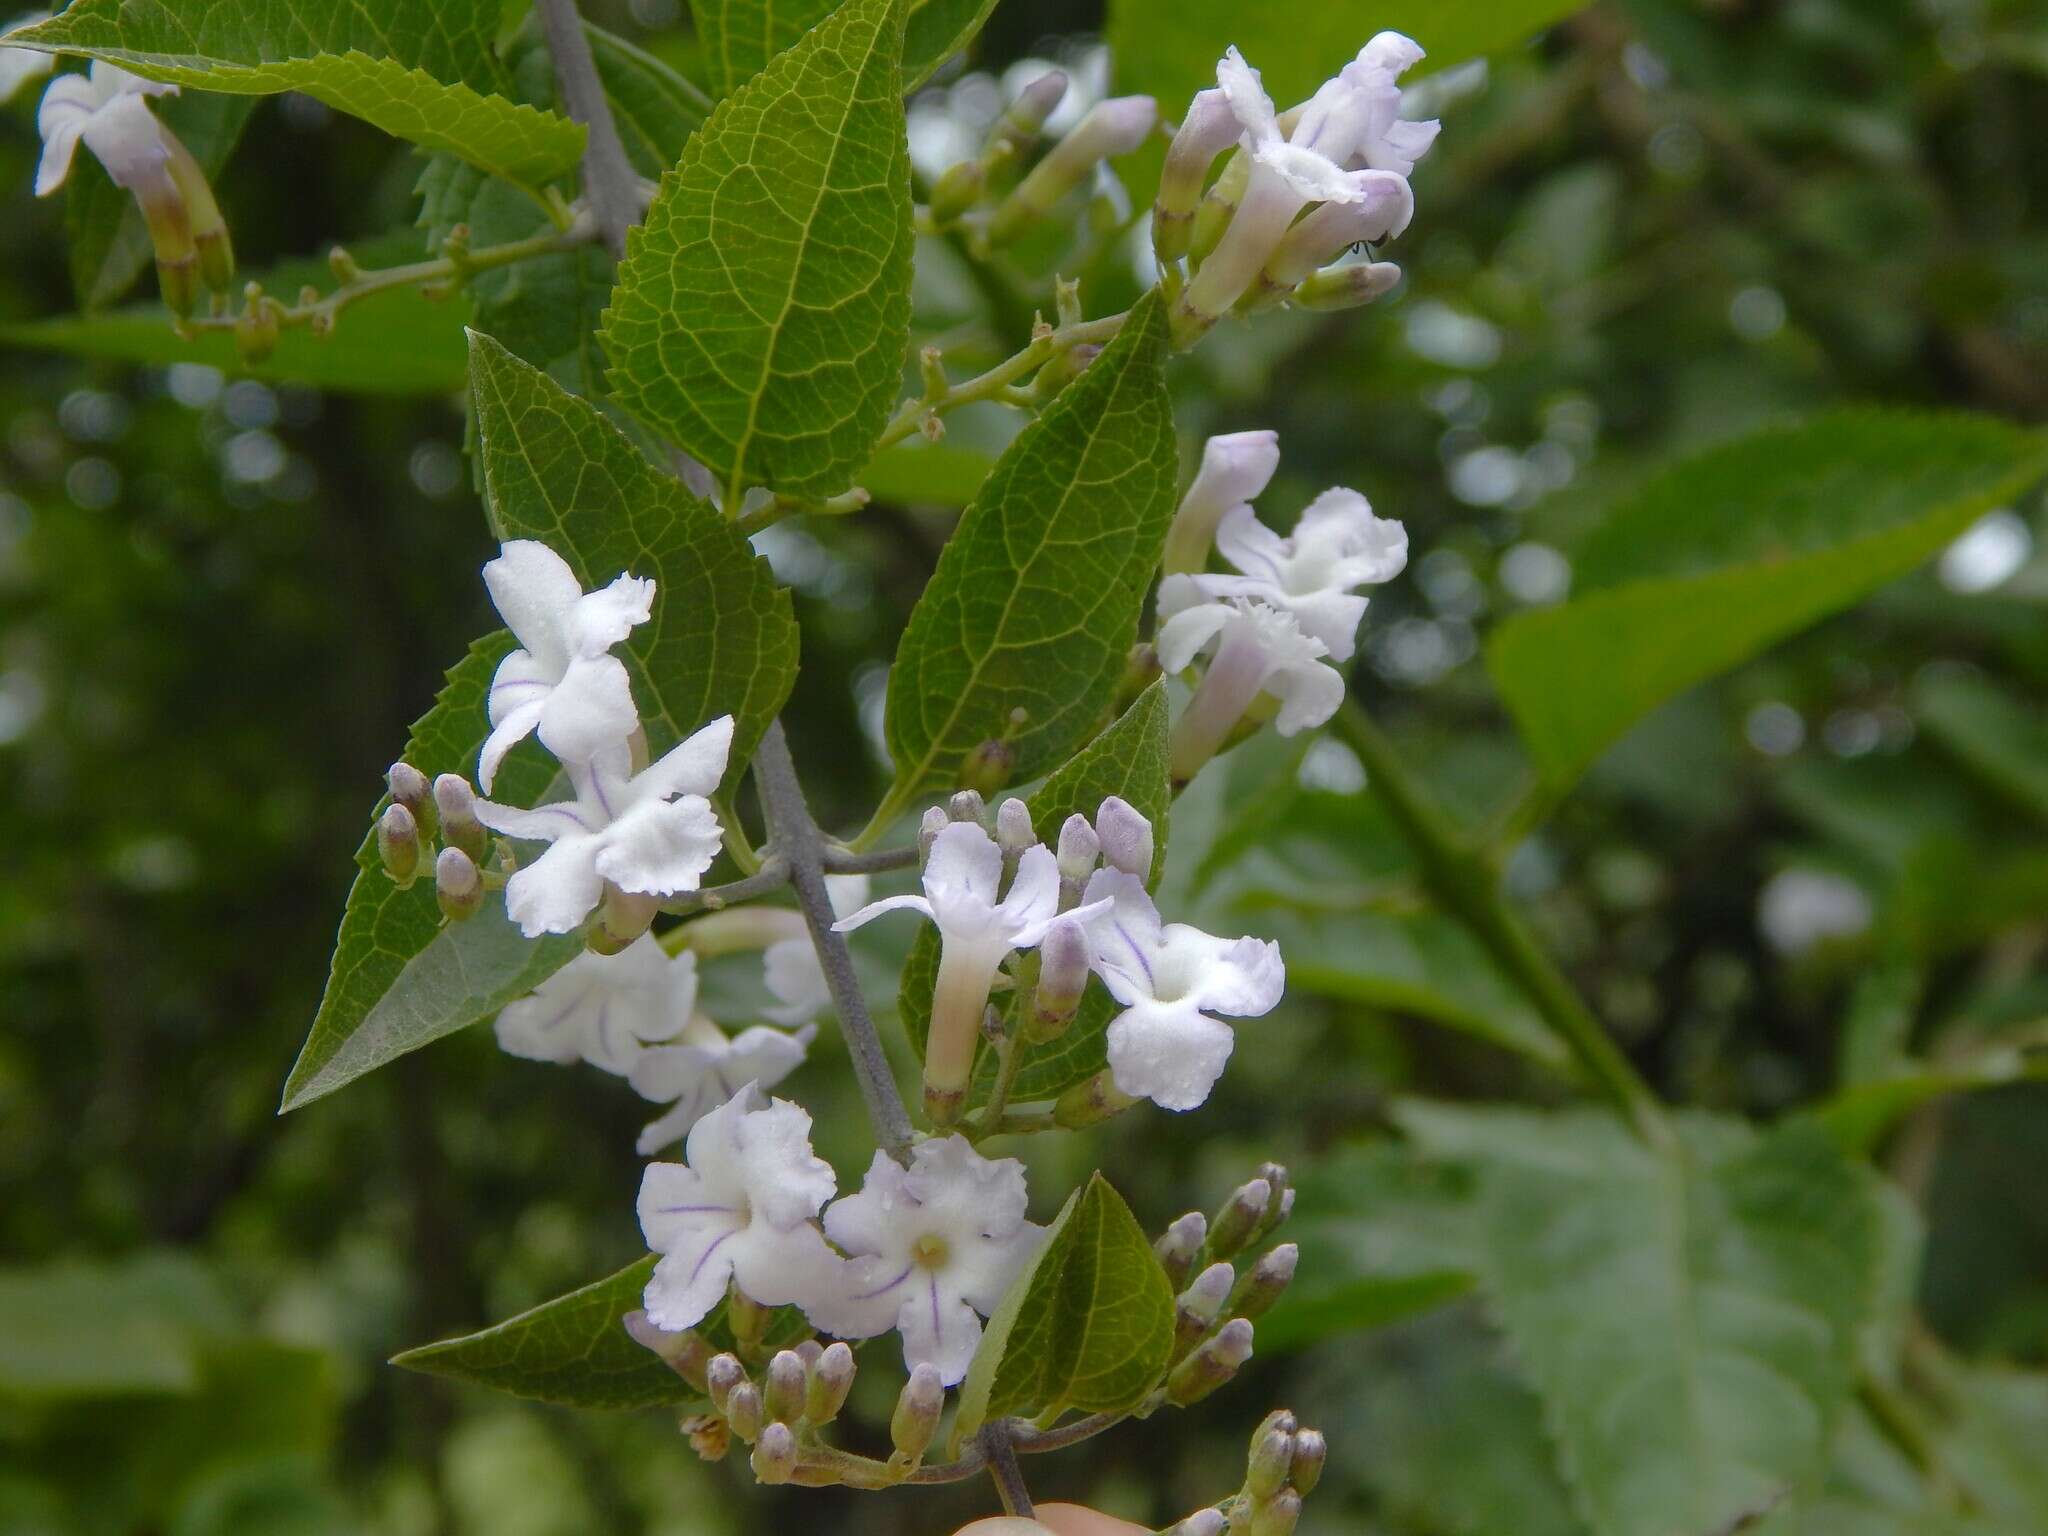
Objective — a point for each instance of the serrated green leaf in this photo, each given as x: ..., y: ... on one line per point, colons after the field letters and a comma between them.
x: 763, y: 309
x: 1998, y: 738
x: 397, y: 343
x: 571, y: 1350
x: 1088, y: 1327
x: 105, y: 235
x: 1169, y: 48
x: 427, y: 74
x: 1737, y: 548
x: 655, y: 108
x: 1128, y: 760
x: 741, y: 36
x: 1022, y: 633
x: 1691, y: 1319
x: 402, y: 977
x: 723, y: 639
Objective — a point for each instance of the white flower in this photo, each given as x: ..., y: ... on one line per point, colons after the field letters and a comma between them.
x: 740, y: 1210
x: 563, y: 681
x: 1337, y: 545
x: 106, y: 109
x: 652, y: 834
x: 1339, y: 144
x: 1236, y: 467
x: 1257, y: 649
x: 18, y: 66
x: 933, y: 1245
x: 605, y: 1009
x: 976, y: 932
x: 706, y: 1067
x: 789, y: 967
x: 1170, y: 978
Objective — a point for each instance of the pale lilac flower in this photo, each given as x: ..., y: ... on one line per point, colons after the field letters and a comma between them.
x: 563, y: 681
x: 789, y: 967
x: 1236, y: 467
x: 976, y: 930
x: 1170, y: 979
x: 932, y: 1246
x: 605, y: 1009
x: 1337, y: 546
x: 18, y: 66
x: 741, y: 1210
x: 650, y: 834
x: 107, y: 111
x: 1254, y: 649
x: 706, y: 1067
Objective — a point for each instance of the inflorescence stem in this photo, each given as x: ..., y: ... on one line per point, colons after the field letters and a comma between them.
x: 1050, y: 343
x: 609, y: 181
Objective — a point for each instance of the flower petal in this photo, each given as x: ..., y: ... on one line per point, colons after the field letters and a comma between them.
x: 599, y: 620
x: 558, y: 890
x: 1247, y: 96
x: 589, y: 710
x: 964, y: 869
x: 533, y: 590
x: 1189, y: 624
x: 886, y: 905
x: 939, y: 1328
x: 660, y: 849
x: 1168, y: 1053
x: 693, y: 767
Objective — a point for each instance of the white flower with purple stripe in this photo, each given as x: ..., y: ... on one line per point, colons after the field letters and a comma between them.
x: 741, y: 1211
x: 705, y: 1067
x: 1170, y: 978
x: 651, y: 833
x: 605, y: 1009
x: 933, y: 1245
x: 563, y: 681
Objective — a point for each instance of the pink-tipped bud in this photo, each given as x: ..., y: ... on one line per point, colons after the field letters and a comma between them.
x: 1279, y: 1516
x: 455, y: 802
x: 409, y: 787
x: 785, y: 1383
x: 1078, y: 851
x: 1013, y: 828
x: 967, y: 805
x: 1180, y: 1245
x: 1209, y: 128
x: 1346, y: 287
x: 683, y: 1352
x: 1311, y: 1450
x: 1025, y: 118
x: 918, y: 1407
x: 1271, y: 1457
x: 1126, y: 837
x: 1203, y: 1522
x: 721, y: 1377
x: 1197, y: 1308
x: 1265, y: 1282
x: 1238, y: 1221
x: 831, y: 1378
x: 1212, y: 1364
x: 745, y: 1412
x: 1064, y: 956
x: 1113, y: 127
x: 398, y: 843
x: 935, y: 821
x: 775, y: 1454
x: 458, y: 885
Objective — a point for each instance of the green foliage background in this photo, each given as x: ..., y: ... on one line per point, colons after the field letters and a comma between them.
x: 1663, y: 224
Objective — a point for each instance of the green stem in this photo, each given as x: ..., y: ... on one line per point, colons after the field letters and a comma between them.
x: 1046, y: 346
x: 1466, y: 882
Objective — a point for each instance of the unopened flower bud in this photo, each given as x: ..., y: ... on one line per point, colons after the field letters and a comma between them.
x: 1090, y: 1103
x: 1203, y: 1522
x: 746, y: 1317
x: 1126, y: 837
x: 410, y: 789
x: 1278, y: 1516
x: 1327, y: 231
x: 1271, y: 1455
x: 831, y: 1377
x: 744, y: 1411
x: 967, y: 805
x: 622, y: 916
x: 958, y: 189
x: 398, y: 843
x: 989, y: 767
x: 1206, y: 132
x: 1063, y: 959
x: 928, y: 830
x: 458, y: 885
x: 1180, y: 1245
x: 456, y: 803
x: 1265, y: 1282
x: 775, y: 1453
x: 1196, y: 1309
x: 1013, y: 828
x: 785, y: 1383
x: 1079, y: 849
x: 683, y: 1352
x: 1346, y: 287
x: 808, y: 1352
x: 1310, y: 1452
x: 721, y: 1377
x: 1219, y: 206
x: 918, y: 1408
x: 1239, y: 1218
x: 1025, y: 118
x: 1281, y: 1205
x: 1112, y: 127
x: 343, y: 265
x: 257, y: 330
x: 1212, y: 1364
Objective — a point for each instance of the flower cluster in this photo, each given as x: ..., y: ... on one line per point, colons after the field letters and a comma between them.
x: 1269, y: 629
x: 1301, y: 188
